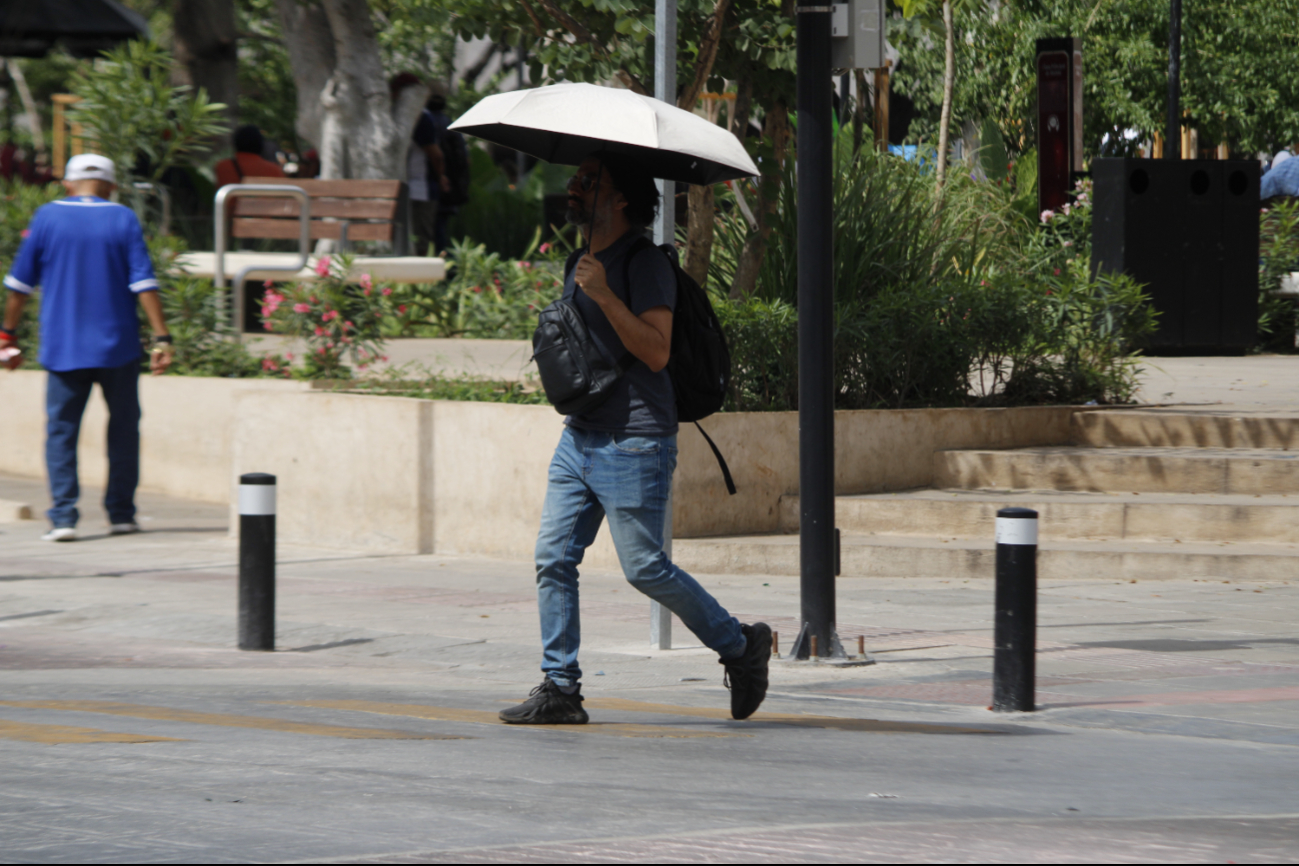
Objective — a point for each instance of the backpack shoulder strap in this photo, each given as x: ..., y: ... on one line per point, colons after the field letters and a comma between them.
x: 721, y: 461
x: 632, y: 252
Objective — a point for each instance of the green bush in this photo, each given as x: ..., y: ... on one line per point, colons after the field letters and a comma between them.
x: 1278, y: 257
x: 500, y: 215
x: 18, y: 203
x: 485, y: 295
x: 941, y: 299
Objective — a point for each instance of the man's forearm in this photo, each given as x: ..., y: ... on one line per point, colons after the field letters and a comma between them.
x: 14, y: 309
x: 643, y: 339
x: 153, y: 309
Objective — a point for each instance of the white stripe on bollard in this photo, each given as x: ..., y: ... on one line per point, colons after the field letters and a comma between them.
x: 1016, y: 530
x: 257, y: 499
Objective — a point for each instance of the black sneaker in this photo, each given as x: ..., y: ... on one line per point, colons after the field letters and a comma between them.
x: 547, y: 705
x: 746, y: 675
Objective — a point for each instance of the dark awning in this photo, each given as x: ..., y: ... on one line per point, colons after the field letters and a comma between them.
x: 84, y: 28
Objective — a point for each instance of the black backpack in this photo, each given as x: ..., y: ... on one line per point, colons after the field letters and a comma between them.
x: 456, y: 161
x: 577, y: 378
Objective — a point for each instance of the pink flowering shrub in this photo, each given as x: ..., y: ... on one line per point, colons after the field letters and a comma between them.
x: 339, y: 320
x: 483, y: 296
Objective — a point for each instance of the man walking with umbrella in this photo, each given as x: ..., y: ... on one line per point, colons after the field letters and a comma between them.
x: 617, y: 460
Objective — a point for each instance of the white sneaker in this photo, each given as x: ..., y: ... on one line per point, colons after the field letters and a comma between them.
x: 60, y: 533
x: 123, y: 528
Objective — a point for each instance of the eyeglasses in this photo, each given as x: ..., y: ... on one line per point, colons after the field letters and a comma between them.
x: 585, y: 181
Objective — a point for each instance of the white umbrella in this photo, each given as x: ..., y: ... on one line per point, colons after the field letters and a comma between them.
x: 565, y: 123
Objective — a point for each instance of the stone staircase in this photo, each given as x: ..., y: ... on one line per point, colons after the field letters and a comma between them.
x: 1140, y: 494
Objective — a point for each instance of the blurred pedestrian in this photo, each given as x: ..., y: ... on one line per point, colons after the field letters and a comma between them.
x: 424, y: 170
x: 1282, y: 179
x: 455, y: 190
x: 248, y: 160
x: 89, y: 258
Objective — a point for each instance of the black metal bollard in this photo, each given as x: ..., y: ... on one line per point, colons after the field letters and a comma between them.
x: 257, y: 561
x: 1013, y: 665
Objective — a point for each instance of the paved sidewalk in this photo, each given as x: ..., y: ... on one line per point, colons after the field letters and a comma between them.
x: 132, y: 730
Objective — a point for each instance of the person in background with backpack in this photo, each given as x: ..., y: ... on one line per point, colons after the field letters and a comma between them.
x: 454, y: 190
x: 424, y: 169
x: 616, y: 460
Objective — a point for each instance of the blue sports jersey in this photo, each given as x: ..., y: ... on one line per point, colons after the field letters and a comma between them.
x: 89, y: 257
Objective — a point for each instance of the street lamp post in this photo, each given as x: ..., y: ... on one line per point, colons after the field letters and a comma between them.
x: 665, y: 88
x: 815, y: 336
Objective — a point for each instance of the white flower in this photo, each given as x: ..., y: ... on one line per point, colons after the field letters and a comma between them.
x: 1047, y: 214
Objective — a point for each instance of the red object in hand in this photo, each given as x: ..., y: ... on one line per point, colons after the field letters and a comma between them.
x: 11, y: 357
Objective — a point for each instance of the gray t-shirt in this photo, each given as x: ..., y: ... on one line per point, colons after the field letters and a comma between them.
x: 642, y: 403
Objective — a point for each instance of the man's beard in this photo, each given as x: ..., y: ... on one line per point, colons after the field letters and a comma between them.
x: 576, y: 215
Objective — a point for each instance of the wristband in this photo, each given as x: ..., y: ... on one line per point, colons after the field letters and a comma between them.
x: 163, y: 338
x: 8, y: 333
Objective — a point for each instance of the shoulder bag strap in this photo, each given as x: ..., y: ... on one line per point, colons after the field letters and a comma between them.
x: 721, y: 461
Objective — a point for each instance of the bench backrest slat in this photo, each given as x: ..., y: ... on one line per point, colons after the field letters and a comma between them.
x: 287, y: 208
x: 374, y: 210
x: 335, y: 188
x: 253, y: 227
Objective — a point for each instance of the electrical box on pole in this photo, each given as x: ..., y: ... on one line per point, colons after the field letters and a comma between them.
x: 857, y: 34
x: 1059, y: 120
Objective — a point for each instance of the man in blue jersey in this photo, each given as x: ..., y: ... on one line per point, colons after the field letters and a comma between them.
x: 89, y: 257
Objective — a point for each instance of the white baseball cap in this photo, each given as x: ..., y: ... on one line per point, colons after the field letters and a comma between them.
x: 90, y: 166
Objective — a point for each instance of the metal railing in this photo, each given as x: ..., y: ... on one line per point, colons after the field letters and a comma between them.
x: 236, y: 319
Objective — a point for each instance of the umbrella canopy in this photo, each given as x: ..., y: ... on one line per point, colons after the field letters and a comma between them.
x: 565, y: 123
x: 31, y: 28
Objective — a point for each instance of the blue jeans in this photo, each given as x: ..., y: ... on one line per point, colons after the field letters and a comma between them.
x: 66, y: 394
x: 629, y: 479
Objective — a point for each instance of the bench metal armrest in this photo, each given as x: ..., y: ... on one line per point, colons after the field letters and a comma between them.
x: 304, y: 238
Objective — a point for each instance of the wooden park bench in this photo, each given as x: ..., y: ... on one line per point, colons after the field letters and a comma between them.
x: 344, y: 211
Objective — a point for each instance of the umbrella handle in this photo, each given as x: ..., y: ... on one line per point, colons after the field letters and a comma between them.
x: 595, y: 202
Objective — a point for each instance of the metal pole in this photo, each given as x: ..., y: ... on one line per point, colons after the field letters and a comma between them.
x: 520, y: 156
x: 660, y: 616
x: 665, y: 232
x: 815, y: 330
x: 257, y: 561
x: 1173, y: 129
x: 1015, y: 623
x: 665, y: 88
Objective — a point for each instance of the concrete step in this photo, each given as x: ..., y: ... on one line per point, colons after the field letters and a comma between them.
x: 1068, y: 516
x: 910, y: 556
x: 1162, y: 428
x: 1122, y: 470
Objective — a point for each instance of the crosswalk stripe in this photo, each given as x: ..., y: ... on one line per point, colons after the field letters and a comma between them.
x: 488, y: 717
x: 832, y: 722
x: 54, y: 734
x: 167, y: 714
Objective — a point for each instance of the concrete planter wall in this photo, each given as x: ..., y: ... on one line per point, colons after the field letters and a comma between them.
x: 419, y: 476
x: 185, y: 432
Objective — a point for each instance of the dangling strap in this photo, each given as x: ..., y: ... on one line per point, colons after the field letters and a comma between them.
x: 721, y: 461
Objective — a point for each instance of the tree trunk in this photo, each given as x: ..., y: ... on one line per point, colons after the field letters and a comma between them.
x: 699, y: 228
x: 859, y: 110
x: 311, y: 57
x: 743, y: 107
x: 343, y: 101
x: 699, y: 236
x: 949, y: 78
x: 206, y: 46
x: 775, y: 127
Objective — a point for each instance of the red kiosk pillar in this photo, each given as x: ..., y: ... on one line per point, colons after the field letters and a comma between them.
x: 1059, y: 119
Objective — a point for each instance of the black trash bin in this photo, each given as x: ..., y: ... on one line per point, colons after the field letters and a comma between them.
x: 1188, y: 229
